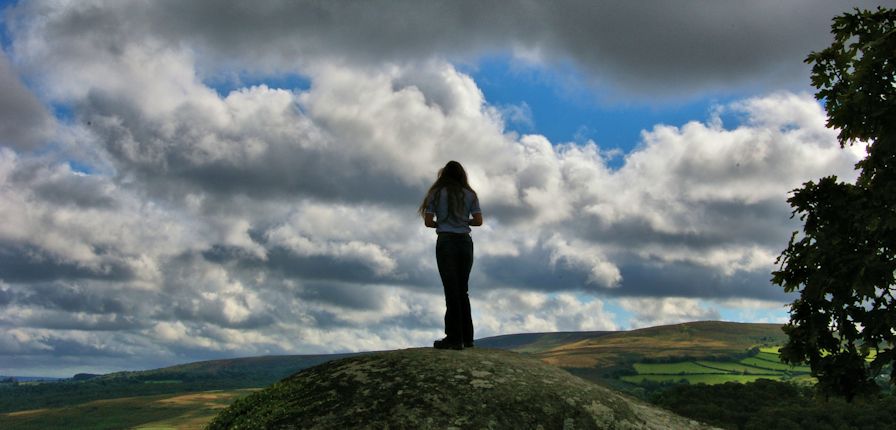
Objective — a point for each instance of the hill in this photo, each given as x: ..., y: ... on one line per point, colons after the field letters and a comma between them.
x: 534, y: 343
x: 428, y: 388
x: 599, y: 356
x: 250, y: 370
x: 695, y: 340
x: 229, y: 374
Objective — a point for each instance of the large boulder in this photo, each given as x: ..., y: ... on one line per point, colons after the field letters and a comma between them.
x: 426, y: 388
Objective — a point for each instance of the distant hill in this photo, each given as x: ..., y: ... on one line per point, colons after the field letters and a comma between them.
x: 429, y: 388
x: 593, y: 355
x: 84, y: 376
x: 694, y: 340
x: 247, y: 370
x: 538, y: 342
x: 28, y: 378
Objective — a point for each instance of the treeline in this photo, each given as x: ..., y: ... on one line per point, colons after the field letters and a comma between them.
x: 770, y: 405
x: 56, y: 394
x: 627, y: 367
x: 752, y: 352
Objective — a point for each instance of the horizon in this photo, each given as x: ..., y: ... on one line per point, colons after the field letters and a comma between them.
x: 368, y: 351
x: 188, y: 181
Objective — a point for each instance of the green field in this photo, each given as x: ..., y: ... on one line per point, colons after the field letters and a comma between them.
x: 687, y: 367
x: 770, y: 356
x: 735, y: 367
x: 765, y: 364
x: 771, y: 365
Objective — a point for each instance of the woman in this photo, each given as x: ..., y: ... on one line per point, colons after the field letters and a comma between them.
x: 447, y: 207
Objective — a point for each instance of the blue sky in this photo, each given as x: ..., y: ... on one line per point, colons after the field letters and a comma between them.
x: 185, y: 181
x: 564, y: 108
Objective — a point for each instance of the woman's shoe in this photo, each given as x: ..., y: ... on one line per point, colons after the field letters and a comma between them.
x: 447, y: 344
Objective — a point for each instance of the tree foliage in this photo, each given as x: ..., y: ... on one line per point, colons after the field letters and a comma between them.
x: 775, y: 405
x: 843, y: 263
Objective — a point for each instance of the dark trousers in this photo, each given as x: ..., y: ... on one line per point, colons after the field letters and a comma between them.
x: 454, y: 255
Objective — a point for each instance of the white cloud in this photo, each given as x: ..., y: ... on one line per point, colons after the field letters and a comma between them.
x: 517, y: 114
x: 650, y: 312
x: 509, y: 311
x: 585, y: 256
x: 19, y: 341
x: 61, y: 217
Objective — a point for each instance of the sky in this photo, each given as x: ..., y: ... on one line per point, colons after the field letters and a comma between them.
x: 182, y: 181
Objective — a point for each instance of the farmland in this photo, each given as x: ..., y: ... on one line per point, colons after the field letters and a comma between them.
x: 765, y: 364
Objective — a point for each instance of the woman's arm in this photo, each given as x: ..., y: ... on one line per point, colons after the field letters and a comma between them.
x: 428, y: 220
x: 477, y: 220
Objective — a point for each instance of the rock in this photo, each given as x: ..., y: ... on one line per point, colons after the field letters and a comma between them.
x: 428, y: 388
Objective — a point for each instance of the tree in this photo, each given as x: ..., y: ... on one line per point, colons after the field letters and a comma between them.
x: 844, y: 261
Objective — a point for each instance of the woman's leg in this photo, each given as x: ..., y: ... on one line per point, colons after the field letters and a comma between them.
x: 466, y: 317
x: 450, y: 271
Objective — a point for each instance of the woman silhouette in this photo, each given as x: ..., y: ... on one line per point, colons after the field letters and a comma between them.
x: 447, y: 207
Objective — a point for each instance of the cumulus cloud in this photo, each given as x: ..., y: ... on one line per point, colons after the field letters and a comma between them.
x: 669, y: 221
x: 648, y: 312
x: 279, y: 220
x: 510, y: 311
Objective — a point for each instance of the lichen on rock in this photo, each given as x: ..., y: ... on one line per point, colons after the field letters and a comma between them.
x: 427, y: 388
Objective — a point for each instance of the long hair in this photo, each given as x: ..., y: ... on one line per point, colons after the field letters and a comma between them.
x: 453, y: 180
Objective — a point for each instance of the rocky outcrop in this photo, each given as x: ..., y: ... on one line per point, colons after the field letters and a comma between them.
x: 426, y: 388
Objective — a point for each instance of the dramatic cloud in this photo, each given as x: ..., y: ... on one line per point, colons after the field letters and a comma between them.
x: 173, y: 220
x: 669, y: 48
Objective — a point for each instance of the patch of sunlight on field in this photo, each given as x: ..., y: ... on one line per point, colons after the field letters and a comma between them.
x: 776, y: 350
x: 769, y: 356
x: 773, y: 365
x: 804, y: 380
x: 169, y: 412
x: 203, y: 407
